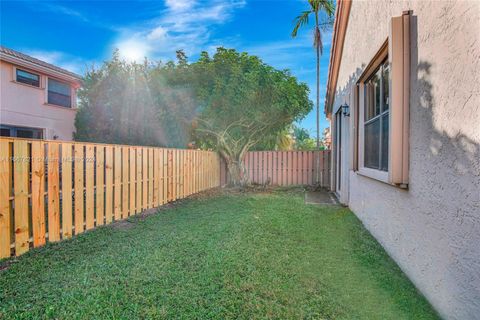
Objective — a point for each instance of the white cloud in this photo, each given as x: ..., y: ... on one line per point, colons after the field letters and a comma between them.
x: 183, y: 25
x: 178, y: 5
x: 159, y: 33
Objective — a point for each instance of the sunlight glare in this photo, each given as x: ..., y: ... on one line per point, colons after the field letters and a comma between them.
x: 133, y: 51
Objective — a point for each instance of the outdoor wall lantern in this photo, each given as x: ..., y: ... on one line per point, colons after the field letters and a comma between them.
x: 346, y: 110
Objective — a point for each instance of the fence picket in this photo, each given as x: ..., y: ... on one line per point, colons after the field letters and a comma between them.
x: 108, y: 184
x: 156, y: 177
x: 38, y: 193
x: 144, y: 178
x: 53, y: 193
x: 89, y: 188
x: 131, y: 185
x: 20, y: 149
x: 5, y: 188
x: 78, y: 187
x: 139, y: 179
x: 150, y: 178
x: 117, y: 181
x: 100, y: 185
x: 67, y: 217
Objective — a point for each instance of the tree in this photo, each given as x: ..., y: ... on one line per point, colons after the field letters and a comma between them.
x: 136, y: 103
x: 302, y: 138
x: 244, y: 102
x: 317, y: 7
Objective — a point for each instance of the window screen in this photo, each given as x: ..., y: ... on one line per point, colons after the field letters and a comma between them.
x: 59, y: 93
x: 27, y: 78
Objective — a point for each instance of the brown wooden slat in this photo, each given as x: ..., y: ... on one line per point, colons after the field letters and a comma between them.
x: 53, y: 193
x: 310, y: 168
x: 150, y: 178
x: 125, y: 174
x: 78, y: 174
x: 38, y: 193
x: 5, y: 187
x: 164, y: 176
x: 145, y: 178
x: 108, y: 184
x: 100, y: 185
x: 89, y: 187
x: 20, y: 149
x: 176, y: 174
x: 139, y: 162
x: 117, y: 181
x: 132, y: 185
x: 156, y: 176
x: 67, y: 213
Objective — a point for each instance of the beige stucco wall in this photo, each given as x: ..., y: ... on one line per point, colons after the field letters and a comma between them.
x: 22, y: 105
x: 432, y: 230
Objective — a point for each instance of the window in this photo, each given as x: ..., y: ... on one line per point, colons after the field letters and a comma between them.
x: 381, y: 111
x: 26, y: 77
x: 376, y: 122
x: 59, y: 93
x: 21, y: 132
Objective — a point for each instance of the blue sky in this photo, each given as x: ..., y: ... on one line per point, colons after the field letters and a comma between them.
x: 76, y: 34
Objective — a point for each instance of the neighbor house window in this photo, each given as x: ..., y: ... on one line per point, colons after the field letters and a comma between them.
x: 26, y: 77
x: 59, y: 93
x: 21, y: 132
x: 377, y: 118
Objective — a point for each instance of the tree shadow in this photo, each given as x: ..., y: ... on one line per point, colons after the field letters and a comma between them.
x: 445, y: 177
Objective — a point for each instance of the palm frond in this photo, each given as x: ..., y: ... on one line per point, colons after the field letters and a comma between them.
x: 300, y: 21
x: 327, y: 6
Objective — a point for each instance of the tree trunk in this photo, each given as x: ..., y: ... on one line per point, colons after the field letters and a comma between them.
x: 318, y: 102
x: 237, y: 171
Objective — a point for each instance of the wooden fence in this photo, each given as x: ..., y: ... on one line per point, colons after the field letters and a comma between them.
x: 51, y: 190
x: 285, y: 168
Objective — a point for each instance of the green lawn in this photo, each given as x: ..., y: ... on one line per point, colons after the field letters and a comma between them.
x: 230, y: 256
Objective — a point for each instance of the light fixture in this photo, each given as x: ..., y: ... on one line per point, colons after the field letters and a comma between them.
x: 345, y: 110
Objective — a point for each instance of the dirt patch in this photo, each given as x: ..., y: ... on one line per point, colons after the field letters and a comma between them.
x: 123, y: 225
x: 320, y: 197
x: 7, y: 263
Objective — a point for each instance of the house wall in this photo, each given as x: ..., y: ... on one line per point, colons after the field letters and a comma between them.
x: 23, y: 105
x: 432, y: 230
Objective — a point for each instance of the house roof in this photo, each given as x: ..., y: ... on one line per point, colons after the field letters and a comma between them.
x: 6, y: 53
x: 342, y: 13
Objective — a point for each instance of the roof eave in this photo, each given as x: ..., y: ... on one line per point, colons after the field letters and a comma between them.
x: 342, y: 14
x: 77, y: 80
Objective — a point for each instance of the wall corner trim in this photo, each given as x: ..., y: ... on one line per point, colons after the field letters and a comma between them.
x: 342, y: 14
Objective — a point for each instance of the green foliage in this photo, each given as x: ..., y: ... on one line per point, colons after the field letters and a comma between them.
x: 245, y: 102
x: 302, y: 138
x: 231, y: 94
x: 138, y: 104
x: 235, y: 256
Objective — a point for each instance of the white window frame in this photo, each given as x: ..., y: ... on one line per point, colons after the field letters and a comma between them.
x: 377, y: 61
x: 397, y: 49
x: 72, y: 94
x: 40, y: 78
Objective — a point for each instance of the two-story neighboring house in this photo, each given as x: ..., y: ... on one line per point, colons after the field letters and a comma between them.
x: 37, y: 99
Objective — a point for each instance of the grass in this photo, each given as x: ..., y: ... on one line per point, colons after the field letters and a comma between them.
x: 242, y: 256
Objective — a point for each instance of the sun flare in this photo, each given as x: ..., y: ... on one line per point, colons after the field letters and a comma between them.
x: 133, y: 51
